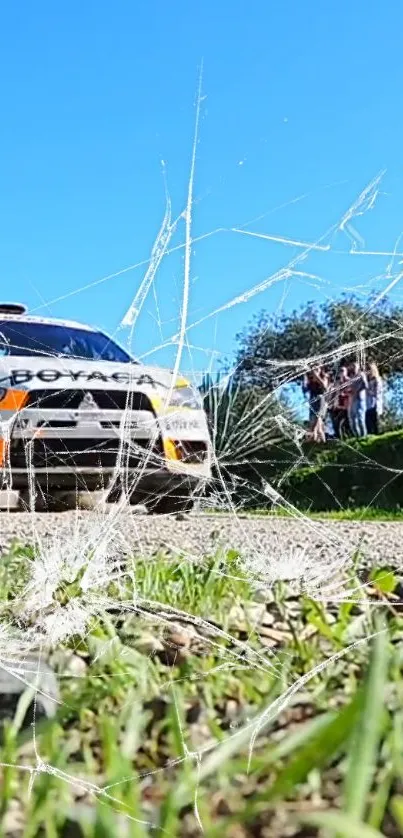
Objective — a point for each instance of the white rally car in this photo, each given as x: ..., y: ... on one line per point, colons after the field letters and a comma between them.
x: 77, y: 413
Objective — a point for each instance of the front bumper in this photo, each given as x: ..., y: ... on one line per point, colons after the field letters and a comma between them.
x: 134, y: 448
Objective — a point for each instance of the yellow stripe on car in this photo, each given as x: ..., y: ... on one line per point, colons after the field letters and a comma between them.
x: 170, y: 449
x: 182, y: 382
x: 157, y: 403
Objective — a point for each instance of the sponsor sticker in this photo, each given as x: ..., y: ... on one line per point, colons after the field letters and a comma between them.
x: 180, y: 423
x: 51, y: 376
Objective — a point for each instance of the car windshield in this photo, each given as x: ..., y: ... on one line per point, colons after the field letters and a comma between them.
x: 19, y: 337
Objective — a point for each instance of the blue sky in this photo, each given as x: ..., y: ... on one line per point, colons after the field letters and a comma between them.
x: 301, y: 101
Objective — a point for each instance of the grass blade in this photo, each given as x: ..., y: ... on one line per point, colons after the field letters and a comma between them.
x: 318, y: 750
x: 283, y: 749
x: 341, y: 823
x: 367, y: 735
x: 397, y: 810
x: 380, y: 801
x: 227, y: 749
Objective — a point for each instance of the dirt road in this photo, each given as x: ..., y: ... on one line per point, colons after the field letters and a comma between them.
x: 283, y: 544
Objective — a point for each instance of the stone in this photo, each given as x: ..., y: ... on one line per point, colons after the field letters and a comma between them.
x: 148, y: 644
x: 21, y: 675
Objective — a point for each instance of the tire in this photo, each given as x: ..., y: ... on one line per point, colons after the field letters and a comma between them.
x: 169, y: 504
x: 49, y: 501
x: 115, y: 495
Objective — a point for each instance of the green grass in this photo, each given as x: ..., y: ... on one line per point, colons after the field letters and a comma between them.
x: 362, y: 514
x: 185, y: 710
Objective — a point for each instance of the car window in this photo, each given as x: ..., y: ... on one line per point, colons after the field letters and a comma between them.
x: 48, y: 339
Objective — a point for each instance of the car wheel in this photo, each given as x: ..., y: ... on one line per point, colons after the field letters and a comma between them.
x: 114, y: 495
x: 169, y: 504
x: 49, y: 501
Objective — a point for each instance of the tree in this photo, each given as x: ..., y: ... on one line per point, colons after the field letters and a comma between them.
x: 253, y: 432
x: 243, y: 420
x: 274, y: 350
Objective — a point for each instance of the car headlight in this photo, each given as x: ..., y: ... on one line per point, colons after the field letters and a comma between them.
x: 186, y: 397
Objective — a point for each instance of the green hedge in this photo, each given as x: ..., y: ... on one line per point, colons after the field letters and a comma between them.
x: 244, y: 478
x: 360, y: 473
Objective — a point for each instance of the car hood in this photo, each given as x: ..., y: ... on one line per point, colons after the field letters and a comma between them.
x: 65, y: 373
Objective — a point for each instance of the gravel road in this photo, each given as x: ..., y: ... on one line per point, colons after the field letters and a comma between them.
x: 282, y: 544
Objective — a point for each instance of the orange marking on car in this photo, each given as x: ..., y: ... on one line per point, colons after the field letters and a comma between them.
x: 3, y: 451
x: 14, y: 400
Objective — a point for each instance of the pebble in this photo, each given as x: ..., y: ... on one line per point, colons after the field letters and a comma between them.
x: 67, y: 664
x: 14, y: 680
x: 148, y: 644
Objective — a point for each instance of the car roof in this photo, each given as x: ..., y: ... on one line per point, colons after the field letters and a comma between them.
x: 49, y: 321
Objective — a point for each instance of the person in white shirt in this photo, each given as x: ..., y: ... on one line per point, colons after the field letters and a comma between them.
x: 374, y: 399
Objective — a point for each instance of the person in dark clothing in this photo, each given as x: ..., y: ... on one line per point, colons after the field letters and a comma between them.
x: 316, y: 385
x: 342, y: 426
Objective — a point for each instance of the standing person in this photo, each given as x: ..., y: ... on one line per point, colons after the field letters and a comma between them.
x: 374, y: 399
x: 332, y: 406
x: 316, y: 386
x: 358, y: 400
x: 341, y: 401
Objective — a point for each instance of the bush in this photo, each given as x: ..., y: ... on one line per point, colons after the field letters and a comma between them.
x: 360, y: 473
x: 245, y: 477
